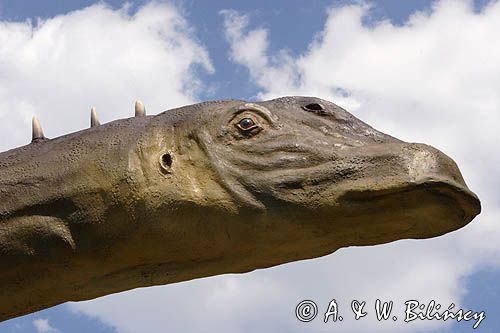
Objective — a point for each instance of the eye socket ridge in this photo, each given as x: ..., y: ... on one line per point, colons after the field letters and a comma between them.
x: 257, y: 110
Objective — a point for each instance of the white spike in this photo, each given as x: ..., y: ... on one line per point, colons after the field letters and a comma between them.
x: 37, y: 132
x: 93, y: 118
x: 140, y: 110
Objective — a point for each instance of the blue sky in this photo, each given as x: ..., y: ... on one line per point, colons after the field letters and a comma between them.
x: 293, y: 26
x: 295, y: 34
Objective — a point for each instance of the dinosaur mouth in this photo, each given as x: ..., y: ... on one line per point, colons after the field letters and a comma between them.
x: 463, y: 195
x: 423, y: 209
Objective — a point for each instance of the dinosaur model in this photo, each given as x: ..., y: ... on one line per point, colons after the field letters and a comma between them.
x: 206, y: 189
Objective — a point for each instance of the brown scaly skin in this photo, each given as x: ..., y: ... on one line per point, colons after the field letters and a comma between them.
x: 198, y: 191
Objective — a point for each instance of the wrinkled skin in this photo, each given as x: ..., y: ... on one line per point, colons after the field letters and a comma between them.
x: 208, y: 189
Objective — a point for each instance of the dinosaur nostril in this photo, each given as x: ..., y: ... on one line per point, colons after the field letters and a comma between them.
x: 314, y: 107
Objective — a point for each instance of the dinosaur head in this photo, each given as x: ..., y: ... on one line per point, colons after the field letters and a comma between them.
x: 301, y: 177
x: 207, y: 189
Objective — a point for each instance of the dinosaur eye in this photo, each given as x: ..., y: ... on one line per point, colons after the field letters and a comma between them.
x: 246, y: 124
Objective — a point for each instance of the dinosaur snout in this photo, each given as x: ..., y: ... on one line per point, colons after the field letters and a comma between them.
x: 426, y: 163
x: 430, y: 168
x: 415, y: 183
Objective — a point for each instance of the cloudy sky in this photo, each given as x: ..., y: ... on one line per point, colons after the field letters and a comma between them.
x: 423, y: 71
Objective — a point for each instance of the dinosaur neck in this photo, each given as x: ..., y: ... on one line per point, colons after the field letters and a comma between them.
x: 61, y: 211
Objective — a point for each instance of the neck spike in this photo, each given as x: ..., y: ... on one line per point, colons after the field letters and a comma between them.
x: 140, y: 110
x: 93, y: 118
x: 36, y: 130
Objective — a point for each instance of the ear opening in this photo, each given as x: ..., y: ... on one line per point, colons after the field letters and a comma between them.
x: 166, y: 161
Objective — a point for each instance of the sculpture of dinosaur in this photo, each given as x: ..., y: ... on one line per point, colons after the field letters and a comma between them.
x: 212, y: 188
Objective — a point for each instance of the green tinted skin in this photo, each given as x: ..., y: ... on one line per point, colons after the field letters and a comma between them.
x: 212, y: 188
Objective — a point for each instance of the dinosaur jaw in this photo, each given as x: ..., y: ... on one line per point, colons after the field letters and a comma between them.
x: 424, y: 209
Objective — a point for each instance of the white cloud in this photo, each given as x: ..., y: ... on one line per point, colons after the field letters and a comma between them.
x: 275, y: 72
x: 43, y: 326
x: 58, y: 68
x: 435, y: 80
